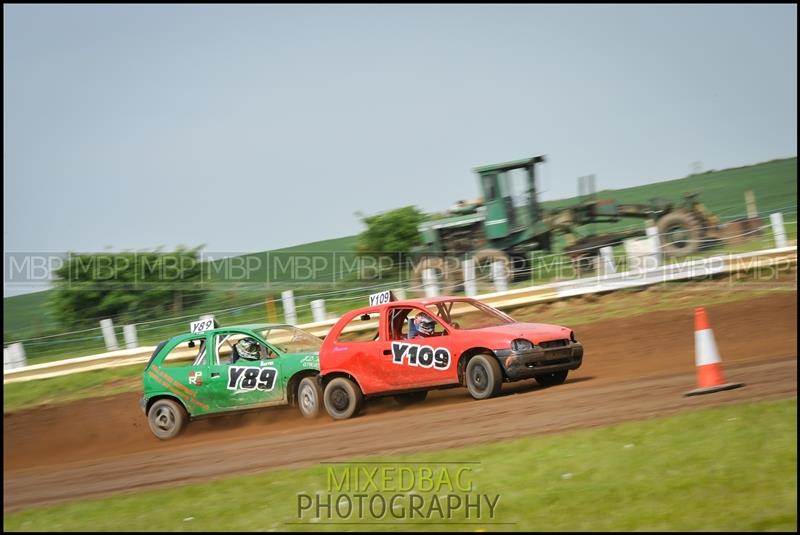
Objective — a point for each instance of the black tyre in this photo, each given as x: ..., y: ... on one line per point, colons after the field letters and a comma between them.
x: 167, y: 418
x: 551, y: 379
x: 484, y: 376
x: 680, y: 233
x: 342, y: 398
x: 411, y: 397
x: 309, y: 397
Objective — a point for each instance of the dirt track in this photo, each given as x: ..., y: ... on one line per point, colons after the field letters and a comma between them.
x: 633, y: 368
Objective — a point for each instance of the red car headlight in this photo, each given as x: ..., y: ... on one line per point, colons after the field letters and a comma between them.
x: 520, y: 344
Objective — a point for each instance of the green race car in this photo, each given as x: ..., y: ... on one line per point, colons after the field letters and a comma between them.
x: 213, y: 370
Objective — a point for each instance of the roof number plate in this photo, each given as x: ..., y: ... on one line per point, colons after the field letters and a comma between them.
x: 381, y: 298
x: 201, y: 325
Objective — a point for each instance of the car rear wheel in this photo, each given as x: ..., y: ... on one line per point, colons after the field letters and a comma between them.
x: 484, y: 376
x: 166, y: 418
x: 343, y: 398
x: 551, y: 379
x: 411, y: 397
x: 309, y: 397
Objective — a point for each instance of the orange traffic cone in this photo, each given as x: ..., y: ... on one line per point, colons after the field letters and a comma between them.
x: 706, y: 357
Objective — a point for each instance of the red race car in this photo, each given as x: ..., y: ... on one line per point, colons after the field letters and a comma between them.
x: 405, y: 348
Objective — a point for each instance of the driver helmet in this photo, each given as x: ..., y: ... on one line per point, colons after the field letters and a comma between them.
x: 248, y: 349
x: 425, y: 325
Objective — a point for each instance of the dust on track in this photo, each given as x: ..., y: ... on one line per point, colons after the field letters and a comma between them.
x: 634, y: 368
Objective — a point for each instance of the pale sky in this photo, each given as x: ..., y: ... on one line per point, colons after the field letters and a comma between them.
x: 254, y: 127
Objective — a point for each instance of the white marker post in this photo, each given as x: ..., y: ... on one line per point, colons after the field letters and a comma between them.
x: 640, y: 253
x: 777, y: 229
x: 469, y: 277
x: 429, y: 282
x: 107, y: 326
x: 287, y: 296
x: 130, y: 336
x: 14, y: 356
x: 750, y: 202
x: 607, y: 266
x: 318, y: 309
x: 655, y: 239
x: 499, y: 276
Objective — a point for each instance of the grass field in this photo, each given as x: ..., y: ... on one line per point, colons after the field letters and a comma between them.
x: 722, y: 469
x: 26, y: 316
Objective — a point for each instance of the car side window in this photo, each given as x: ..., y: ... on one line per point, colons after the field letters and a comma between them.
x: 399, y: 323
x: 233, y: 348
x: 362, y: 328
x: 192, y: 352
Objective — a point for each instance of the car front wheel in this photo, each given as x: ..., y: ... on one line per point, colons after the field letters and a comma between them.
x: 166, y: 418
x: 309, y: 397
x: 484, y: 376
x: 343, y: 398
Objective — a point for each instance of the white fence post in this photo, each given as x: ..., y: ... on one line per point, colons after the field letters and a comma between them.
x: 499, y: 276
x: 607, y: 266
x: 469, y: 277
x: 778, y: 230
x: 429, y: 282
x: 107, y: 326
x: 655, y: 240
x: 130, y: 336
x: 318, y: 309
x: 287, y: 296
x: 641, y: 254
x: 14, y: 356
x: 750, y: 202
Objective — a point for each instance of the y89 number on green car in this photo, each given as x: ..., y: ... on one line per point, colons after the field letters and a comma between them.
x: 211, y: 371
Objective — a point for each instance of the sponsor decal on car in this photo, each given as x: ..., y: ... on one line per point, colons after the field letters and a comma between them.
x: 310, y: 361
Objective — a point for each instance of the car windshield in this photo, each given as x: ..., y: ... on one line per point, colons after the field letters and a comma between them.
x: 291, y: 339
x: 469, y: 314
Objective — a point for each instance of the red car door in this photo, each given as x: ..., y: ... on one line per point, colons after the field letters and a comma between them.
x: 418, y: 361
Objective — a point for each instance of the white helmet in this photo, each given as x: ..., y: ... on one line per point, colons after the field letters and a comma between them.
x: 425, y: 324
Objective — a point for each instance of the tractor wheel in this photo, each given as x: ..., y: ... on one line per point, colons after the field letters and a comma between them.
x: 680, y: 233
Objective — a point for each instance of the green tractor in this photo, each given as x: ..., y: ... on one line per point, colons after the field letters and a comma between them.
x: 507, y: 223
